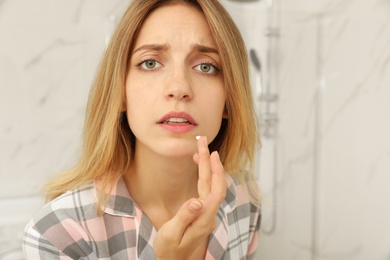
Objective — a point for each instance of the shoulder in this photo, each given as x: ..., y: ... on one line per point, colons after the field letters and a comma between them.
x: 238, y: 206
x: 243, y: 221
x: 59, y: 223
x: 244, y: 215
x: 239, y: 192
x: 72, y: 206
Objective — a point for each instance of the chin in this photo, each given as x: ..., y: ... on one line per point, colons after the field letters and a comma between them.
x: 179, y: 150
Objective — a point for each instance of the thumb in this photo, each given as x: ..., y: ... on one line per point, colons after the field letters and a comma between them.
x: 168, y: 240
x: 188, y: 212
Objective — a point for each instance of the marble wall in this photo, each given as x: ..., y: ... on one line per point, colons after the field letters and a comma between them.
x: 331, y: 70
x: 49, y: 51
x: 48, y: 55
x: 325, y: 171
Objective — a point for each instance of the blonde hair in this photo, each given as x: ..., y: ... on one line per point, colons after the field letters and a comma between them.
x: 108, y: 146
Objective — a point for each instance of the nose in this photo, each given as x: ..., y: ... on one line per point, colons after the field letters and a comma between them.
x: 178, y: 85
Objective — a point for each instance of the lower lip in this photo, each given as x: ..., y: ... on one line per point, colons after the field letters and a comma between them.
x: 178, y: 128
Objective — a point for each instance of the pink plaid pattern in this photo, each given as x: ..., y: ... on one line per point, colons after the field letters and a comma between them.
x: 69, y: 228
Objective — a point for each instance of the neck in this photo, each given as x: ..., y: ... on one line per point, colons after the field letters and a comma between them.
x: 162, y: 182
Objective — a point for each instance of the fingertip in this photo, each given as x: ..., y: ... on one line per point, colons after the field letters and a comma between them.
x: 195, y: 205
x: 205, y: 142
x: 216, y: 155
x: 202, y: 140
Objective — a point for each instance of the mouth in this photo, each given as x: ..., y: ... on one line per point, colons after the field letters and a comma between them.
x: 177, y: 118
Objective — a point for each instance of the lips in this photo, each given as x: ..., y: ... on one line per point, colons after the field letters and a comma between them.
x: 176, y: 117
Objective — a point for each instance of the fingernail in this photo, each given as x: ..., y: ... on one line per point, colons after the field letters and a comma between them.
x: 197, y: 137
x: 217, y: 154
x: 195, y: 205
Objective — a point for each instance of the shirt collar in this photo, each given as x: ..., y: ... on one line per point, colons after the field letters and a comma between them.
x: 120, y: 202
x: 230, y: 201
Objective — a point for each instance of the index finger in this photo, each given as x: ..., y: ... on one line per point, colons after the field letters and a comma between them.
x: 204, y: 169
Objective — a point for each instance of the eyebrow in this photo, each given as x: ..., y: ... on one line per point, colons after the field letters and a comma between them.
x: 204, y: 49
x: 153, y: 47
x: 163, y: 47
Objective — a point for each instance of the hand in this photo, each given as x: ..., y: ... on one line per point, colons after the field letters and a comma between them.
x: 196, y: 219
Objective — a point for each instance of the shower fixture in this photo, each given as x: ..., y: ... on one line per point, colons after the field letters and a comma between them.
x: 264, y: 98
x: 265, y: 104
x: 258, y: 82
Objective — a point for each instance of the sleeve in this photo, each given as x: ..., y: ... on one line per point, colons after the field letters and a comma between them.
x: 254, y: 230
x: 36, y: 247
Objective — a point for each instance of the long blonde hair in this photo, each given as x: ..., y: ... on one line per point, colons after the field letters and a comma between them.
x: 108, y: 146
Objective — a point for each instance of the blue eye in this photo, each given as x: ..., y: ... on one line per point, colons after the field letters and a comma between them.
x: 150, y: 64
x: 207, y: 68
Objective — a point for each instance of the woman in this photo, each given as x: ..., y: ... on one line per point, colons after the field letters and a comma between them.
x: 144, y: 187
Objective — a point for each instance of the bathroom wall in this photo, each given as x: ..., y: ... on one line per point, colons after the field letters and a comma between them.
x: 332, y: 69
x: 328, y: 61
x: 49, y: 51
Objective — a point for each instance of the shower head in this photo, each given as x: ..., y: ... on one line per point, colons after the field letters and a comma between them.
x: 255, y: 60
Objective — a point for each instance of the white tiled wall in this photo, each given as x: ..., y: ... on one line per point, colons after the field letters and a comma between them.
x: 48, y: 54
x: 330, y: 70
x: 334, y: 90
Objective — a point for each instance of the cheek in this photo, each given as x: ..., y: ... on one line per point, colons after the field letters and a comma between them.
x: 140, y: 90
x: 219, y: 100
x: 136, y: 97
x: 133, y: 104
x: 213, y: 107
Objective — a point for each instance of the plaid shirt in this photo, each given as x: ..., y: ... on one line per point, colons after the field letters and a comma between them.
x: 69, y: 228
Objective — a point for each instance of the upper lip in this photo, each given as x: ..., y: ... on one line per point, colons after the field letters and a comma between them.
x: 177, y: 114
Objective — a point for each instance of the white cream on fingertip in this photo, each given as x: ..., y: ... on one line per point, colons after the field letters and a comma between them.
x: 197, y: 137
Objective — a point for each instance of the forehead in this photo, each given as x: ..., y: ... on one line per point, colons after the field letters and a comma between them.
x: 168, y: 22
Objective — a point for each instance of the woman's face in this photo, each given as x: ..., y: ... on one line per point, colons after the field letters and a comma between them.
x: 174, y: 87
